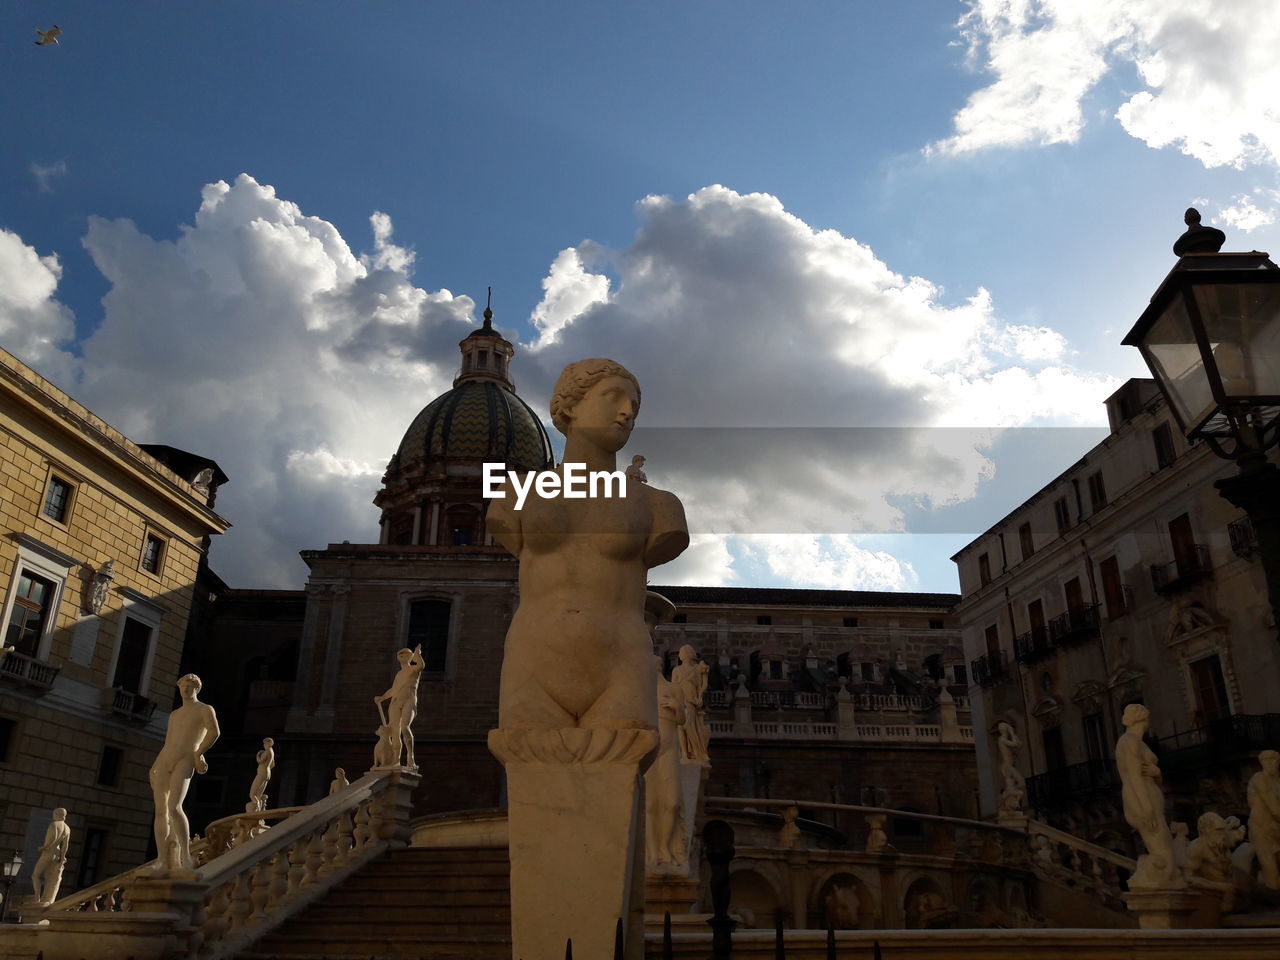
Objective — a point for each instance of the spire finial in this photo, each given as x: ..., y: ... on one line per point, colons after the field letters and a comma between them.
x: 1198, y: 238
x: 488, y: 310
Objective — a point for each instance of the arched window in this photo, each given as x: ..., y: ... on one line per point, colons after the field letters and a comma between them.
x: 429, y: 626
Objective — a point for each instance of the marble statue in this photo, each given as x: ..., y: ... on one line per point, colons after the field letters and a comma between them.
x: 577, y: 652
x: 266, y: 763
x: 192, y: 730
x: 666, y: 843
x: 385, y: 753
x: 577, y: 714
x: 1014, y: 788
x: 691, y: 676
x: 1181, y: 844
x: 403, y: 694
x: 46, y: 876
x: 1209, y: 854
x: 200, y: 848
x: 789, y: 835
x: 877, y: 839
x: 842, y: 906
x: 339, y: 781
x: 636, y: 470
x: 100, y: 587
x: 1143, y: 802
x: 1264, y: 816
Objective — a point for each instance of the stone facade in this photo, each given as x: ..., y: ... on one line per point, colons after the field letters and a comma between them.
x: 101, y: 541
x: 1127, y: 578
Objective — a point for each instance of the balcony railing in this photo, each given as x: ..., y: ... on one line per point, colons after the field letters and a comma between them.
x: 1032, y: 646
x: 1183, y: 572
x: 1244, y: 541
x: 1225, y: 740
x: 1062, y: 787
x: 990, y: 668
x: 27, y: 670
x: 125, y: 703
x: 1078, y: 623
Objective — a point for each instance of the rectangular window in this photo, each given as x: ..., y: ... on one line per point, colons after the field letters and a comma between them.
x: 57, y: 499
x: 1074, y: 595
x: 1062, y: 515
x: 1112, y: 589
x: 1055, y: 755
x: 1183, y: 541
x: 867, y: 671
x: 1097, y: 492
x: 429, y: 627
x: 1212, y: 702
x: 993, y: 639
x: 30, y: 614
x: 92, y: 857
x: 764, y: 621
x: 680, y: 618
x: 1095, y: 737
x: 8, y: 730
x: 961, y: 672
x: 152, y: 553
x: 850, y: 621
x: 482, y: 359
x: 1162, y: 437
x: 935, y: 625
x: 109, y: 766
x: 135, y: 642
x: 1025, y: 541
x: 984, y: 569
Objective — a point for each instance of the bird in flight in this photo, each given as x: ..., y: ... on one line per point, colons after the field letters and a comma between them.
x: 47, y: 36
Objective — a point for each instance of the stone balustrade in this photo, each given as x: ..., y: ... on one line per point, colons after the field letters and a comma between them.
x: 220, y: 909
x: 1057, y: 855
x: 800, y: 730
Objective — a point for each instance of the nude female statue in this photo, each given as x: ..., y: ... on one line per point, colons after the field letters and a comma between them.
x: 1015, y: 785
x: 192, y: 730
x: 578, y: 652
x: 1143, y: 801
x: 266, y: 763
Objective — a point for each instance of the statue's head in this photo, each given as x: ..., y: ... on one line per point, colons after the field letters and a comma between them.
x: 268, y: 742
x: 189, y: 682
x: 637, y: 460
x: 1270, y: 761
x: 599, y: 395
x: 60, y: 813
x: 339, y: 772
x: 403, y: 654
x: 1135, y: 713
x: 687, y: 654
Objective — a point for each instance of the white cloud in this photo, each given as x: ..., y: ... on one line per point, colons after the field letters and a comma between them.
x: 34, y: 325
x: 832, y: 562
x: 568, y: 290
x: 1209, y: 68
x: 1244, y: 214
x: 44, y: 174
x: 258, y: 338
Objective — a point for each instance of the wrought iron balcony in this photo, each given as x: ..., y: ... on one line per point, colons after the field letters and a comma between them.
x: 27, y: 670
x: 1218, y: 742
x: 1078, y: 623
x: 1033, y: 646
x: 1183, y: 572
x: 990, y: 668
x: 125, y: 703
x: 1062, y: 787
x: 1244, y: 541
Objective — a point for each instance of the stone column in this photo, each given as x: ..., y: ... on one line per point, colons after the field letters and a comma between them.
x: 575, y: 815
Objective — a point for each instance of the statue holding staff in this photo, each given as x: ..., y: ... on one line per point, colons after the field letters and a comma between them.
x: 398, y: 720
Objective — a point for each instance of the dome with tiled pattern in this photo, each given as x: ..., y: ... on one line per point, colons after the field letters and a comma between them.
x: 482, y: 420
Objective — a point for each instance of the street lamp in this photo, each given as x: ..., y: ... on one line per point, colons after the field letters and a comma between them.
x: 10, y: 868
x: 1211, y: 338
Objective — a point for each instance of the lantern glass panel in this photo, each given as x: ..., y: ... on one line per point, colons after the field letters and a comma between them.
x: 1174, y: 356
x: 1242, y: 325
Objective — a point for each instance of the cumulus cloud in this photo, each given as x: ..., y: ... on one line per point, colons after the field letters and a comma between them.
x: 1245, y: 214
x: 259, y: 338
x: 34, y: 325
x: 44, y: 174
x: 794, y: 384
x: 1209, y: 70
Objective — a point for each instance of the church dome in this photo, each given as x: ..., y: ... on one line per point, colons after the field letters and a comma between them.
x: 478, y: 419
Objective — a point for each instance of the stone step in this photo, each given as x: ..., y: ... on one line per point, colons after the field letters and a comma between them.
x: 371, y: 945
x: 410, y: 899
x: 427, y: 882
x: 445, y: 869
x: 451, y: 854
x: 479, y: 913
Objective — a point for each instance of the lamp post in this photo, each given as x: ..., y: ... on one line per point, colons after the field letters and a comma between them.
x: 1211, y: 337
x: 10, y: 869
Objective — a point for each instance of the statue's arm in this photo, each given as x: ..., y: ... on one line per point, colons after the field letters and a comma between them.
x: 669, y: 533
x: 1129, y: 766
x: 211, y: 734
x: 502, y: 521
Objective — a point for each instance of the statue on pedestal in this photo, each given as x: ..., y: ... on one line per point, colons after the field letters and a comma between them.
x: 339, y: 781
x: 1014, y: 788
x: 1143, y: 802
x: 666, y: 843
x: 396, y: 733
x: 46, y: 876
x: 577, y: 711
x: 691, y: 677
x: 266, y: 763
x: 192, y: 730
x: 1264, y: 816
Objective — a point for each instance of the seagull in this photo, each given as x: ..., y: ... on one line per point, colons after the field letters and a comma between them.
x: 47, y: 36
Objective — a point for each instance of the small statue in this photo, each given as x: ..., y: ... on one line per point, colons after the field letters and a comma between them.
x: 1015, y: 785
x: 266, y: 763
x: 691, y: 676
x: 1042, y: 854
x: 1181, y: 843
x: 635, y: 471
x: 339, y: 781
x: 192, y: 730
x: 1143, y: 802
x: 1209, y: 854
x: 877, y: 839
x: 1264, y: 816
x: 100, y: 587
x: 46, y: 877
x: 200, y: 850
x: 403, y: 694
x: 789, y: 835
x: 666, y: 844
x: 842, y: 907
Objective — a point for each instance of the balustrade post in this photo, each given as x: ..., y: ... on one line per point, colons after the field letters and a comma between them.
x: 392, y: 808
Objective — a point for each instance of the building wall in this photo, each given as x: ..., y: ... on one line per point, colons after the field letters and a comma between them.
x: 61, y: 710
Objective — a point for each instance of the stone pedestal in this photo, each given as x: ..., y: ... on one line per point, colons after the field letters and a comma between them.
x: 576, y: 823
x: 669, y: 893
x: 1177, y: 908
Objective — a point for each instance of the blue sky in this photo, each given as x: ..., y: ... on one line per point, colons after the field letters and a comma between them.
x: 921, y: 214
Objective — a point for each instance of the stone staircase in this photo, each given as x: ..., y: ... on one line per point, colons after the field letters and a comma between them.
x: 422, y: 903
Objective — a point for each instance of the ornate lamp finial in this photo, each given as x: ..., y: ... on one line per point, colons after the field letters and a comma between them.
x: 1198, y: 238
x: 488, y: 310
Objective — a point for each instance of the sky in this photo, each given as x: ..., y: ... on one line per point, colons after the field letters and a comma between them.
x: 870, y: 262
